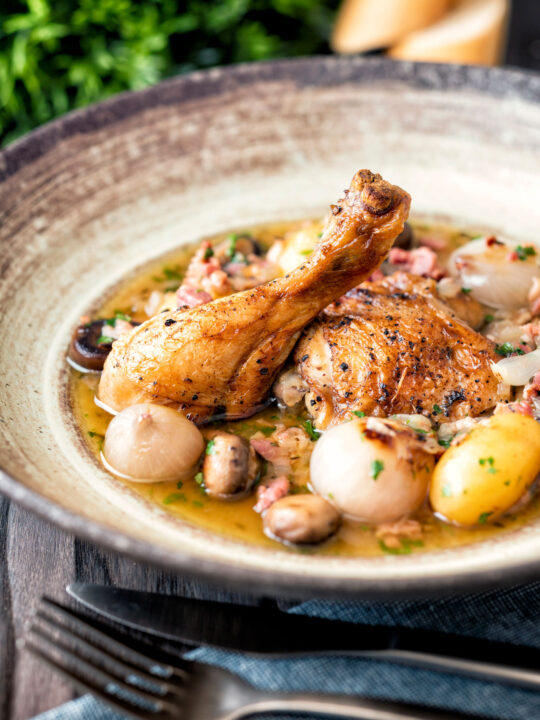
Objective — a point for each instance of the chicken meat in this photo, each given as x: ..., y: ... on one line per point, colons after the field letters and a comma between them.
x: 392, y: 346
x: 221, y: 359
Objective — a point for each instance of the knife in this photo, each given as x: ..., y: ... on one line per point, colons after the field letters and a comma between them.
x: 268, y: 632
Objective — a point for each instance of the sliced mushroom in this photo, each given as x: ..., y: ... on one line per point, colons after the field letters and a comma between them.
x: 85, y: 350
x: 301, y: 519
x: 230, y: 466
x: 92, y: 342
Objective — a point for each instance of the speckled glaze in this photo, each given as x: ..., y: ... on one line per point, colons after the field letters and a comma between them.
x: 99, y: 192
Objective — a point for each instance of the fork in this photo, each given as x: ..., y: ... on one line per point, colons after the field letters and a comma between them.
x: 142, y: 686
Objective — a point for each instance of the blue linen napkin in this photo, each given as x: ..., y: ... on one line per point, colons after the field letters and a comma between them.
x: 510, y: 615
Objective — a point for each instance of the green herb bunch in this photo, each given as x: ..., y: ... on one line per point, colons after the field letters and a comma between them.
x: 56, y: 55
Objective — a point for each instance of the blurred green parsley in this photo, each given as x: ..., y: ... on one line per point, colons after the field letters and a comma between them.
x: 56, y: 55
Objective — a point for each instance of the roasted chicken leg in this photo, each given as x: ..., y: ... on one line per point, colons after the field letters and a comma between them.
x: 393, y: 346
x: 220, y: 359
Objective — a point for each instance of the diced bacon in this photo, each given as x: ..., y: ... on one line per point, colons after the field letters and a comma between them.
x: 120, y: 327
x: 190, y: 296
x: 271, y: 491
x: 216, y: 284
x: 270, y: 451
x: 521, y: 407
x: 420, y: 261
x: 531, y: 333
x: 391, y: 533
x: 433, y: 242
x: 377, y: 275
x: 532, y: 389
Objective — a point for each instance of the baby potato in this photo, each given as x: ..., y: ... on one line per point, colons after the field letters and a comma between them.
x: 487, y: 472
x: 372, y: 469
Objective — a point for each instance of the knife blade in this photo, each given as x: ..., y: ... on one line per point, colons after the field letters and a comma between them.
x: 268, y: 632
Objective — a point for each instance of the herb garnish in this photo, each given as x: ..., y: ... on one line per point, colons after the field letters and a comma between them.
x: 446, y: 491
x: 208, y: 253
x: 523, y: 252
x: 311, y: 431
x: 405, y: 549
x: 174, y: 497
x: 199, y: 479
x: 437, y: 410
x: 359, y: 413
x: 377, y: 466
x: 210, y: 449
x: 488, y: 461
x: 466, y: 290
x: 507, y: 349
x: 483, y: 517
x: 488, y: 319
x: 105, y: 340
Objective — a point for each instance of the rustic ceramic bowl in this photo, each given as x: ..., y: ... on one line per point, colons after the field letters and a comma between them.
x: 99, y: 192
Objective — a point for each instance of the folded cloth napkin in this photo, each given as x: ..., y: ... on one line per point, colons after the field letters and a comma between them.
x: 510, y: 615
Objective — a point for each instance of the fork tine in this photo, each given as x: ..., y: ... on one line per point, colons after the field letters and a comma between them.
x: 100, y: 658
x: 83, y: 629
x: 103, y: 679
x: 85, y: 686
x: 96, y: 680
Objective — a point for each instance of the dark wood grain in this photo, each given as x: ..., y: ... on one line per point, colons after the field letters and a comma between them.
x: 38, y: 559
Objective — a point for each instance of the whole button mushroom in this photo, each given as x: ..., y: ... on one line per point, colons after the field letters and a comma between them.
x: 85, y: 350
x: 152, y: 443
x: 230, y: 466
x: 301, y: 519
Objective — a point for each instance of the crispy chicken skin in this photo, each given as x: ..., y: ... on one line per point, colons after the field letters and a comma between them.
x: 220, y: 359
x: 390, y: 347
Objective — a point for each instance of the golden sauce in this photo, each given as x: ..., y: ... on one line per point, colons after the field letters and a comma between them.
x: 236, y: 519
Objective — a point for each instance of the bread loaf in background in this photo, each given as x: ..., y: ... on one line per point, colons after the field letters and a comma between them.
x: 371, y: 24
x: 472, y: 32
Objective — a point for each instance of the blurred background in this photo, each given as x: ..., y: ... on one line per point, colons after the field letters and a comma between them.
x: 56, y: 55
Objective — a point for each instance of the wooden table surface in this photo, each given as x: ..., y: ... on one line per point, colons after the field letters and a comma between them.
x: 36, y: 559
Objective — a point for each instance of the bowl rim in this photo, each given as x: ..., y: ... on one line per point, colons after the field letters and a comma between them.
x: 519, y: 84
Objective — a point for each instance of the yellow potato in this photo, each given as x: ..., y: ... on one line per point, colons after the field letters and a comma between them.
x: 487, y: 472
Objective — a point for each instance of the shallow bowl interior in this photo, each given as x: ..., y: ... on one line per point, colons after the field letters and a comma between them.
x: 94, y: 195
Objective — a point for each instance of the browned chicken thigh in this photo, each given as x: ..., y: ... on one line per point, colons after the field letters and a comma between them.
x: 391, y: 347
x: 222, y: 358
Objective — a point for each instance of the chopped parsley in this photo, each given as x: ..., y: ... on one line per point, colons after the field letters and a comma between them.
x: 231, y: 247
x: 210, y: 449
x: 121, y: 316
x: 437, y: 410
x: 105, y: 340
x: 331, y: 496
x: 483, y: 517
x: 359, y: 413
x: 488, y: 319
x: 311, y: 431
x: 445, y: 443
x: 174, y: 497
x: 446, y: 491
x: 523, y: 252
x: 507, y: 349
x: 179, y: 484
x: 377, y: 466
x: 208, y: 253
x: 466, y: 290
x: 199, y: 479
x: 306, y: 252
x: 490, y: 462
x: 405, y: 549
x: 198, y: 503
x: 172, y: 273
x: 266, y: 430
